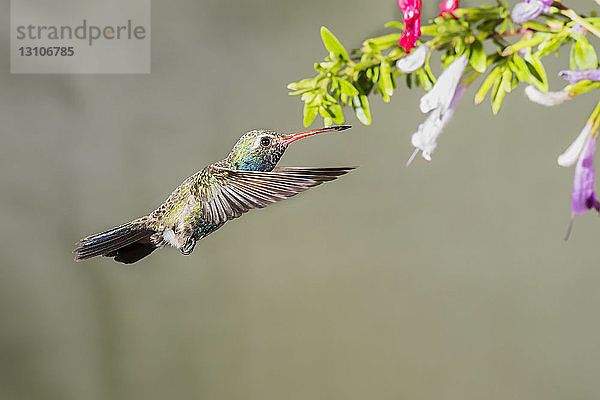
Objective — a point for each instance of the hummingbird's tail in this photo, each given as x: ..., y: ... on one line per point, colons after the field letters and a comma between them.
x: 127, y: 243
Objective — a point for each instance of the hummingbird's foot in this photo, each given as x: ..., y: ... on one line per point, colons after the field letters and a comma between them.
x: 188, y: 247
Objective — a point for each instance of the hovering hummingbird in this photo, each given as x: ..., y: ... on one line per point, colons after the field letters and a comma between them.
x: 248, y: 178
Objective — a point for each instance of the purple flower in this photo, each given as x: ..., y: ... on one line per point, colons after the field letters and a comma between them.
x: 529, y: 9
x: 581, y: 75
x: 440, y: 102
x: 579, y: 29
x: 583, y: 197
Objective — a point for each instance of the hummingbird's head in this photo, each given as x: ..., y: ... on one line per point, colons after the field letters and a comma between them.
x: 260, y: 150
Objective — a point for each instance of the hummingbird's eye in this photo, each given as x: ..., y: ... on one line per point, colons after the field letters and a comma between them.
x: 265, y: 141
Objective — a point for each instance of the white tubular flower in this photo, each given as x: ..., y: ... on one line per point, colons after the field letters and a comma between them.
x: 425, y: 139
x: 440, y: 96
x: 414, y: 60
x: 572, y: 153
x: 546, y: 98
x: 441, y: 102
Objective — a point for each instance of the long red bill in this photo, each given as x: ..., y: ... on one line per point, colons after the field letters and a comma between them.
x: 295, y: 136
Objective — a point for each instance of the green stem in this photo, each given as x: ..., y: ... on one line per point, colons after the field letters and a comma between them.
x: 595, y: 119
x: 568, y: 12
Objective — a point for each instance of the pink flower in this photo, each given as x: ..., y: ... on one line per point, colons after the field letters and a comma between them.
x: 411, y: 10
x: 448, y: 7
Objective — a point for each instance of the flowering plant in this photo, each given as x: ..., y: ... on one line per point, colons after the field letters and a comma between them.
x: 519, y: 38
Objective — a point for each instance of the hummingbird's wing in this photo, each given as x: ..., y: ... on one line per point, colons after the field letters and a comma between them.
x: 233, y: 192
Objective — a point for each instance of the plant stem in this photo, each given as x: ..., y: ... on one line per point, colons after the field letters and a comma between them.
x: 522, y: 31
x: 568, y: 12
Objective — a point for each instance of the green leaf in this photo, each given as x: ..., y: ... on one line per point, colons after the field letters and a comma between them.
x: 417, y: 76
x: 488, y: 26
x: 383, y: 42
x: 346, y: 87
x: 329, y: 98
x: 536, y: 68
x: 300, y: 92
x: 521, y: 74
x: 427, y: 68
x: 514, y: 82
x: 363, y: 83
x: 333, y: 45
x: 327, y: 65
x: 423, y: 78
x: 536, y: 26
x: 477, y: 58
x: 582, y: 87
x: 304, y: 83
x: 338, y: 114
x: 332, y: 112
x: 537, y: 39
x: 507, y: 77
x: 429, y: 30
x: 361, y: 109
x: 583, y: 55
x: 310, y: 113
x: 325, y: 113
x: 375, y: 76
x: 487, y: 84
x: 496, y: 89
x: 459, y: 46
x: 385, y: 82
x: 395, y: 24
x: 504, y: 26
x: 526, y: 72
x: 501, y: 87
x: 343, y: 99
x: 396, y: 52
x: 551, y: 44
x: 309, y: 97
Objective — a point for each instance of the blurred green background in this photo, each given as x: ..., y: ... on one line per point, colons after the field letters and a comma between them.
x: 446, y: 280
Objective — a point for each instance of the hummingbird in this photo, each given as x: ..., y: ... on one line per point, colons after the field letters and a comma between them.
x: 248, y: 178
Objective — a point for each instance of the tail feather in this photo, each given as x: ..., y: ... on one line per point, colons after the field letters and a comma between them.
x: 105, y: 239
x: 132, y: 253
x: 114, y: 243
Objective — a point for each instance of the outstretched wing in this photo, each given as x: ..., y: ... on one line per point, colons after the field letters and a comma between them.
x: 230, y: 193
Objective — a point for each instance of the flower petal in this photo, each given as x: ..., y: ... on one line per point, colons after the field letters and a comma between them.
x: 580, y: 75
x: 448, y: 7
x: 571, y: 154
x: 579, y: 29
x: 425, y: 139
x: 444, y: 88
x: 546, y: 98
x: 414, y: 60
x: 583, y: 197
x: 527, y: 10
x: 411, y: 10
